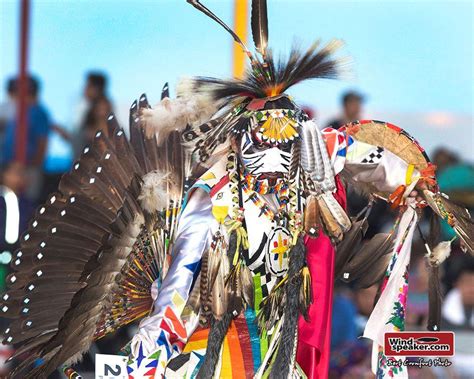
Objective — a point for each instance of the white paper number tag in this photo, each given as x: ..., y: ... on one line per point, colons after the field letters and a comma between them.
x: 110, y: 366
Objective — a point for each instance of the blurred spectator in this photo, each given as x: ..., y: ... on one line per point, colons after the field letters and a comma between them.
x: 38, y: 127
x: 96, y: 118
x: 457, y: 311
x: 95, y: 91
x: 443, y: 158
x: 365, y: 302
x: 350, y: 356
x: 15, y: 208
x: 351, y: 109
x: 93, y: 112
x: 8, y: 107
x: 15, y: 212
x: 343, y: 328
x: 96, y: 86
x: 456, y: 179
x: 417, y: 303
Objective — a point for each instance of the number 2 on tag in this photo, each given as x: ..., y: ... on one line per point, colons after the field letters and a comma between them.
x: 110, y: 366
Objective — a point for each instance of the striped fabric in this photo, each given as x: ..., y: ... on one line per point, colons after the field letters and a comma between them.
x: 242, y: 351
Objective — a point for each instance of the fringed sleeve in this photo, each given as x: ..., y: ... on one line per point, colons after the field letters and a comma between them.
x: 163, y: 334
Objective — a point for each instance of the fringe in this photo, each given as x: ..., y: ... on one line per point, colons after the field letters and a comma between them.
x: 285, y: 358
x: 214, y: 343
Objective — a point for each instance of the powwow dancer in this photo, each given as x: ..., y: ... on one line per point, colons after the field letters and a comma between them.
x: 216, y: 225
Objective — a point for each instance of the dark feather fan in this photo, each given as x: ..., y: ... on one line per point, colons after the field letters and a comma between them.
x: 346, y: 249
x: 368, y: 265
x: 86, y: 264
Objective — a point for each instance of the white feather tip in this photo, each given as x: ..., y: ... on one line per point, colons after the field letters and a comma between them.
x: 153, y: 195
x: 189, y: 108
x: 440, y: 253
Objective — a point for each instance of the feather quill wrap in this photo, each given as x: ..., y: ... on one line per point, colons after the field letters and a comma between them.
x: 312, y: 216
x: 456, y: 216
x: 334, y: 218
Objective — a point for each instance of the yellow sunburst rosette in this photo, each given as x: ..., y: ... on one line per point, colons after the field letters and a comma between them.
x: 278, y: 125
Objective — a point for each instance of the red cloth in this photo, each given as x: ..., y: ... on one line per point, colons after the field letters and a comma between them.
x: 314, y: 336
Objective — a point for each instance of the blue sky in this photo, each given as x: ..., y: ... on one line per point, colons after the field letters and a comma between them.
x: 413, y: 59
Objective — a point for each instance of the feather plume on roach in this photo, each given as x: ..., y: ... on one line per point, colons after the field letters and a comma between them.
x: 268, y: 77
x: 272, y: 78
